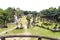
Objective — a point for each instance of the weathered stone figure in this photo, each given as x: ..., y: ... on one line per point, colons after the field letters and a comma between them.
x: 15, y: 18
x: 28, y: 21
x: 21, y: 26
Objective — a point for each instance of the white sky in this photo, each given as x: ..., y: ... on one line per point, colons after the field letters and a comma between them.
x: 33, y: 5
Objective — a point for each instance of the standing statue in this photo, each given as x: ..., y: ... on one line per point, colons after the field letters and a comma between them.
x: 16, y: 21
x: 15, y: 18
x: 21, y: 26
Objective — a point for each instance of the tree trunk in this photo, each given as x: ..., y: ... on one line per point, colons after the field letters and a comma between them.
x: 4, y: 24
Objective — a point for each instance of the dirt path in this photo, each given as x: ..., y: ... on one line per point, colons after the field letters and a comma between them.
x: 7, y: 30
x: 26, y: 33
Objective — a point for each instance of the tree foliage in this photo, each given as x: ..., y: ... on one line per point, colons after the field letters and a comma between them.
x: 7, y: 14
x: 52, y: 12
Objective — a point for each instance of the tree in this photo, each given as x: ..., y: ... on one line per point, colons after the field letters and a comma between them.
x: 26, y: 13
x: 10, y: 14
x: 4, y: 18
x: 50, y: 13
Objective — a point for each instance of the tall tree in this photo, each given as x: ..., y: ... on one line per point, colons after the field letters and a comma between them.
x: 5, y: 18
x: 10, y: 14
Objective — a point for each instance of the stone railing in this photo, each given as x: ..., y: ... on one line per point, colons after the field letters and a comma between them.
x: 31, y: 36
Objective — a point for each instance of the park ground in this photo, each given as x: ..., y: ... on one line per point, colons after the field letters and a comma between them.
x: 31, y: 31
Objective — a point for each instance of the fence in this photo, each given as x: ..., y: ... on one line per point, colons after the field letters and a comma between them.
x: 32, y: 36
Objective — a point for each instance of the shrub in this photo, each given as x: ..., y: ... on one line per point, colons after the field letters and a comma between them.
x: 46, y: 24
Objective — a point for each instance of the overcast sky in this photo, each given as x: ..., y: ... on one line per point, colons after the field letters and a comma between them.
x: 33, y: 5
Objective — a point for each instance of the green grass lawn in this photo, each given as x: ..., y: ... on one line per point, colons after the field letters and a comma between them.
x: 9, y: 26
x: 15, y: 32
x: 44, y: 32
